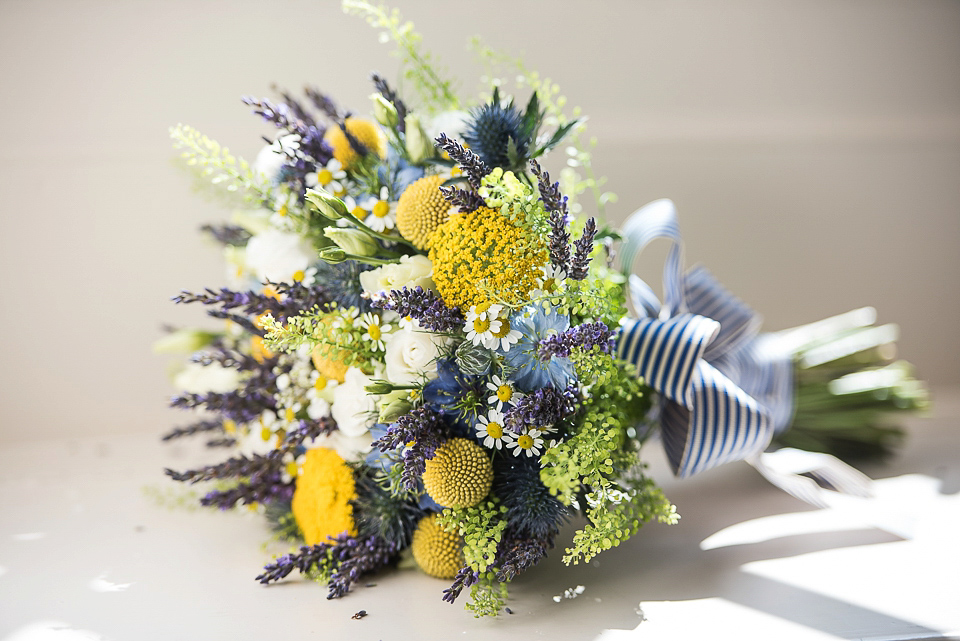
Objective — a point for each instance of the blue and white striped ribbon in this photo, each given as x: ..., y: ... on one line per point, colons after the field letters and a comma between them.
x: 706, y: 418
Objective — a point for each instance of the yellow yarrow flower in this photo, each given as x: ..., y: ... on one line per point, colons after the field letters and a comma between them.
x: 321, y: 503
x: 367, y: 134
x: 481, y: 257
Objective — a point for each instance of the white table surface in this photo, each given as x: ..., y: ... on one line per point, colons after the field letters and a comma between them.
x: 88, y: 552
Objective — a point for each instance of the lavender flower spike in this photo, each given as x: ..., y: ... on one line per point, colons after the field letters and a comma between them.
x: 556, y: 204
x: 425, y: 306
x: 544, y: 407
x: 584, y: 244
x: 473, y: 167
x: 584, y: 336
x: 424, y: 428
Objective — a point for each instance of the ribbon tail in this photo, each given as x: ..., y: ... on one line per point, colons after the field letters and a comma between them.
x: 811, y: 476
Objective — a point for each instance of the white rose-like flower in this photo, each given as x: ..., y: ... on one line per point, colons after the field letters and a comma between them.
x: 271, y: 158
x: 353, y: 409
x: 409, y: 272
x: 411, y: 356
x: 195, y: 378
x: 276, y: 255
x: 350, y: 448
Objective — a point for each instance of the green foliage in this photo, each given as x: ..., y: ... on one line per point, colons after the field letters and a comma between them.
x: 332, y: 333
x: 599, y: 298
x: 617, y: 514
x: 487, y: 597
x: 282, y: 522
x: 516, y: 201
x: 419, y: 67
x: 217, y: 165
x: 481, y: 528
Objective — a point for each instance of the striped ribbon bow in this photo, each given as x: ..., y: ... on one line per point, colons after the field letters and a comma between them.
x: 724, y: 390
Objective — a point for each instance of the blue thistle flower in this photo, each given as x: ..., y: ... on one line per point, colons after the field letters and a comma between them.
x: 499, y: 134
x: 342, y: 283
x: 531, y: 510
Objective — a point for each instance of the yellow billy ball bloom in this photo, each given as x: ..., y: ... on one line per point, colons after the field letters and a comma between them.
x: 321, y: 503
x: 459, y: 474
x: 367, y: 134
x: 481, y: 257
x: 421, y: 209
x: 436, y: 551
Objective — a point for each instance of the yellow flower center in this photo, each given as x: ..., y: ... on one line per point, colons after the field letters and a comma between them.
x: 381, y: 209
x: 481, y: 325
x: 265, y: 433
x: 503, y: 331
x: 298, y: 276
x: 282, y: 211
x: 504, y: 393
x: 291, y: 468
x: 550, y: 284
x: 321, y: 383
x: 481, y: 308
x: 374, y: 331
x: 358, y: 212
x: 229, y: 426
x: 324, y: 176
x: 289, y: 415
x: 495, y: 430
x: 525, y: 441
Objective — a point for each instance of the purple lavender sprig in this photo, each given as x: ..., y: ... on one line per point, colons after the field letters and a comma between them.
x: 225, y: 441
x: 297, y: 298
x: 585, y: 336
x: 424, y: 305
x: 464, y: 579
x: 235, y: 467
x: 325, y: 104
x: 284, y: 117
x: 424, y: 427
x: 466, y: 200
x: 473, y: 167
x: 199, y: 427
x: 383, y: 88
x: 228, y: 234
x: 515, y: 555
x: 352, y: 558
x: 259, y: 489
x: 238, y: 406
x: 308, y: 430
x: 555, y: 203
x: 584, y: 245
x: 544, y: 407
x: 295, y: 107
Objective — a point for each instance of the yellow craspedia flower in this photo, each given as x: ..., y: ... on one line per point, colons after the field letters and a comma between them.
x: 459, y: 474
x: 321, y: 502
x: 367, y: 134
x: 437, y: 552
x: 328, y: 366
x: 481, y: 257
x: 421, y: 209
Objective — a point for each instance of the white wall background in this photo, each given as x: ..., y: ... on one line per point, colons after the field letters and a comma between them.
x: 812, y: 147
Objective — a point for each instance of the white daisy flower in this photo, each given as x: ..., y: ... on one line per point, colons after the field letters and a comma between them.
x: 328, y: 177
x: 504, y: 391
x: 375, y: 329
x: 409, y: 322
x: 528, y: 444
x: 291, y: 467
x: 355, y: 210
x: 549, y: 283
x: 490, y: 429
x: 482, y: 324
x: 382, y: 215
x: 504, y: 336
x: 305, y: 277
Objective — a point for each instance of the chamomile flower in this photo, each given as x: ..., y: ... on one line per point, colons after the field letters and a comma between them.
x: 382, y: 212
x: 375, y: 329
x: 490, y: 429
x: 355, y: 210
x: 528, y: 444
x: 305, y: 277
x: 328, y: 177
x: 409, y: 322
x: 482, y: 324
x: 504, y: 391
x: 550, y: 282
x: 292, y: 465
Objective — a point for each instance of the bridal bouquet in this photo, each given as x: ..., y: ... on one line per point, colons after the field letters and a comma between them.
x: 428, y: 355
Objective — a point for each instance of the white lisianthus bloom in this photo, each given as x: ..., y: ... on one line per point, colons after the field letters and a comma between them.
x: 452, y: 123
x: 277, y: 256
x: 410, y: 272
x: 411, y: 356
x: 350, y: 448
x: 195, y: 378
x: 353, y: 409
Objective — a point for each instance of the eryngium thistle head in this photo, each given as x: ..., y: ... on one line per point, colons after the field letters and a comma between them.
x: 531, y: 510
x: 490, y: 131
x: 342, y: 282
x: 378, y: 513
